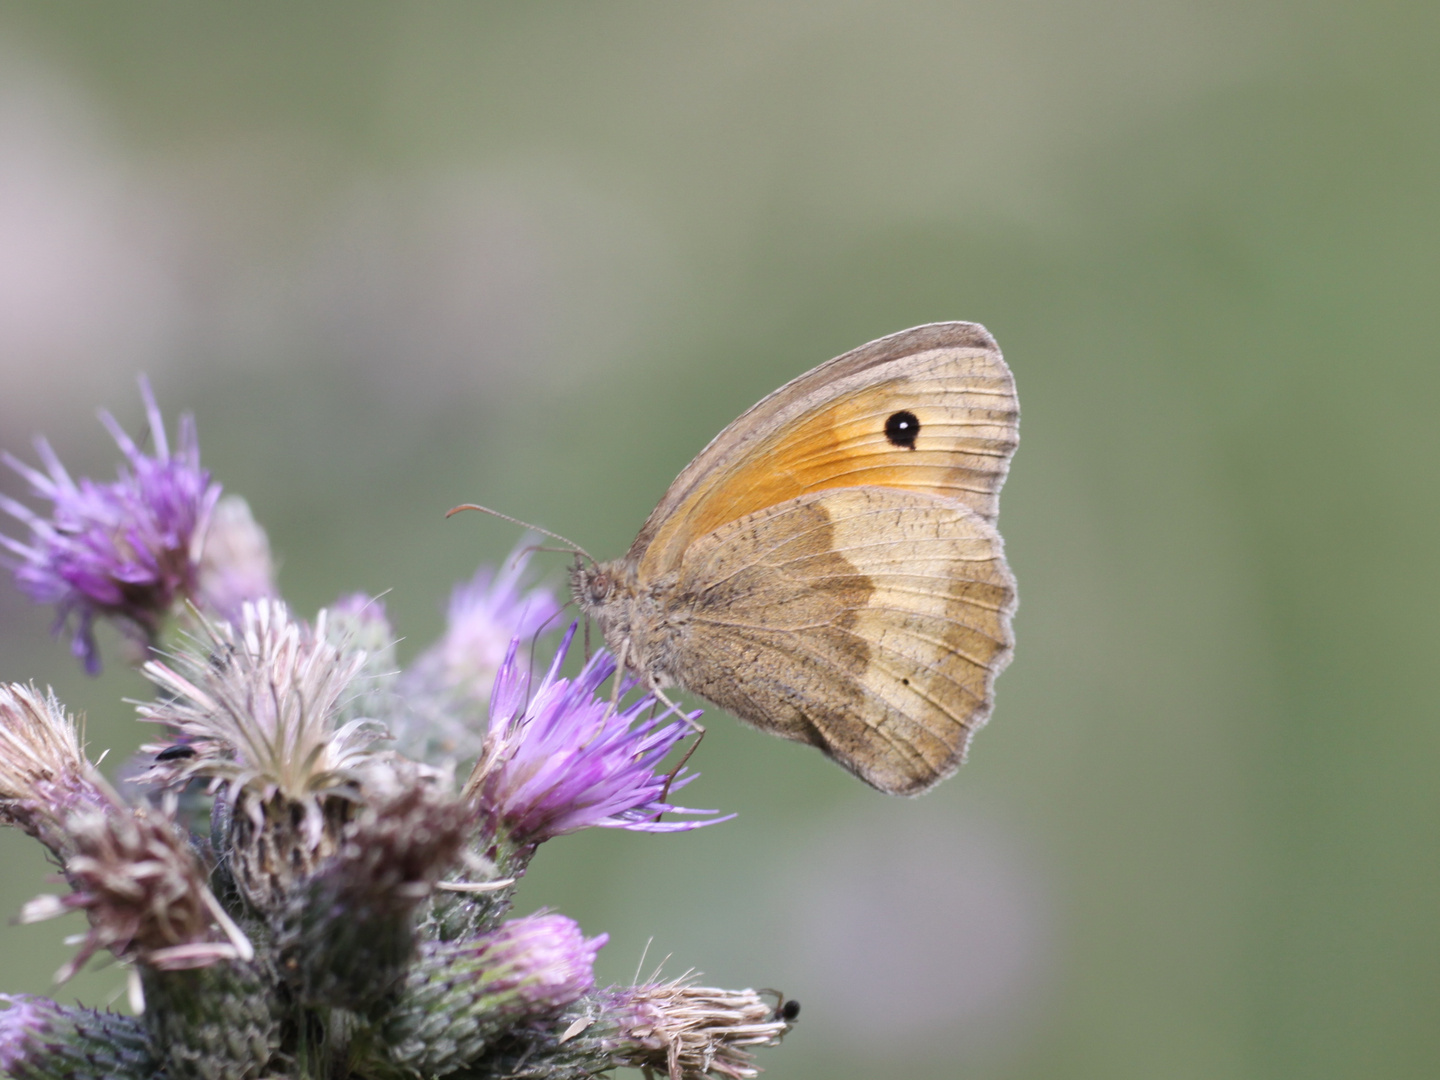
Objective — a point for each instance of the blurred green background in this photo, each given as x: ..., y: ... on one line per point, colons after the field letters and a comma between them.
x: 396, y: 257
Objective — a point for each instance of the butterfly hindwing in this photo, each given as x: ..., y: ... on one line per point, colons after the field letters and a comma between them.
x: 867, y: 621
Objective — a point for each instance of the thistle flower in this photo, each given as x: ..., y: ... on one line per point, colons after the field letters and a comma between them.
x: 330, y: 852
x: 131, y: 872
x: 144, y: 891
x: 44, y: 774
x: 682, y: 1030
x: 565, y: 759
x: 449, y: 683
x: 21, y: 1027
x: 127, y: 549
x: 461, y: 994
x: 485, y: 613
x: 255, y: 707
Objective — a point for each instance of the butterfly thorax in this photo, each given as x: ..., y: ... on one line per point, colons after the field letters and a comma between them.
x: 642, y: 622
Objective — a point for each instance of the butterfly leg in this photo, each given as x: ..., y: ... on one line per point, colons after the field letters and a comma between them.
x: 699, y: 730
x: 660, y: 696
x: 619, y: 676
x: 699, y: 737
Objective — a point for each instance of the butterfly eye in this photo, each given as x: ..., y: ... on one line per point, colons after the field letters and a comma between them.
x: 902, y: 428
x: 599, y: 586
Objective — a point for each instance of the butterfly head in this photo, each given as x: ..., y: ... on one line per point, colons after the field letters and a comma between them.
x: 597, y: 587
x: 607, y: 592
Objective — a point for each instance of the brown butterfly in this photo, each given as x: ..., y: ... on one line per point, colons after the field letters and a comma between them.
x: 828, y: 568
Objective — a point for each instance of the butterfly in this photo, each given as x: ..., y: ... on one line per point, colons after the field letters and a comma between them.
x: 828, y: 568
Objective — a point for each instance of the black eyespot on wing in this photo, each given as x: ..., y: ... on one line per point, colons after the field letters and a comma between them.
x: 902, y: 428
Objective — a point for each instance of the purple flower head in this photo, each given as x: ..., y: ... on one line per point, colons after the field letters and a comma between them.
x: 564, y: 760
x: 127, y: 549
x: 449, y: 683
x: 485, y: 613
x: 544, y: 960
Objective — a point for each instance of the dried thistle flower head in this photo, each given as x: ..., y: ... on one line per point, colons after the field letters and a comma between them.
x: 407, y: 830
x: 144, y: 891
x: 44, y: 774
x: 130, y: 870
x: 255, y: 708
x: 683, y: 1030
x: 255, y: 704
x: 128, y: 549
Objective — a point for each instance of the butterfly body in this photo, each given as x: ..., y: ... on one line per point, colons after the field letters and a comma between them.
x: 828, y: 568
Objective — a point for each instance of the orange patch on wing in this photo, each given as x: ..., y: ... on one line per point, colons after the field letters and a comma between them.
x: 961, y: 453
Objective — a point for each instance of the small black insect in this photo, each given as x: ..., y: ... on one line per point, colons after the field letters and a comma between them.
x: 178, y: 752
x: 786, y: 1009
x: 902, y: 428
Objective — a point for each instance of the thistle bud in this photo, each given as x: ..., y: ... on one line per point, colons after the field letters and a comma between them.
x: 460, y: 995
x: 43, y: 1040
x: 346, y: 936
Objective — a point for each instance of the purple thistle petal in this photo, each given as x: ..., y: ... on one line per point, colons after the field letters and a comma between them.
x: 127, y: 549
x: 565, y: 761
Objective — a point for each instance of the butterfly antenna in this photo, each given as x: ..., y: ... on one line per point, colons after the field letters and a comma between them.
x: 532, y: 548
x: 573, y: 547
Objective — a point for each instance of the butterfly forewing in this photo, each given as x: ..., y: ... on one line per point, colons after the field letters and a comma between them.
x: 836, y: 427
